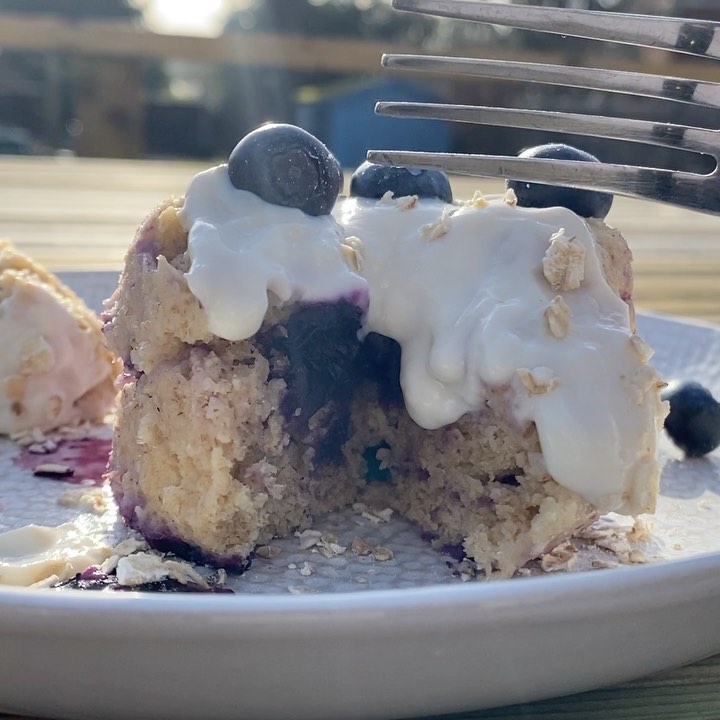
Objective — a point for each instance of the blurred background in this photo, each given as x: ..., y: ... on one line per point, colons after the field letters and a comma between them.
x: 185, y: 79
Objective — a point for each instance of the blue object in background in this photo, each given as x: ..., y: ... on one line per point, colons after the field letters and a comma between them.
x: 346, y: 122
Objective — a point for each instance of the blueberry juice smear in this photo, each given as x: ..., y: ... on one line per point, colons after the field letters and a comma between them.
x: 86, y: 457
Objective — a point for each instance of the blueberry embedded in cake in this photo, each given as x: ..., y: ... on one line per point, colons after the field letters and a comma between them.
x: 282, y: 360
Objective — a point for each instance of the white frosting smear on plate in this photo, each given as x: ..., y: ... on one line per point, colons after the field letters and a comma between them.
x: 36, y: 553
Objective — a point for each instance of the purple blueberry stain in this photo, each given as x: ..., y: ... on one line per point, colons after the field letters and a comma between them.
x: 93, y: 578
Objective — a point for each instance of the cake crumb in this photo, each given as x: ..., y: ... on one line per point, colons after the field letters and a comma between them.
x: 510, y: 198
x: 403, y: 202
x: 618, y: 541
x: 306, y: 569
x: 329, y: 547
x: 43, y: 448
x: 374, y: 515
x: 478, y: 200
x: 538, y: 381
x: 641, y: 349
x: 360, y: 546
x: 302, y: 590
x: 557, y: 315
x: 439, y: 228
x: 406, y: 202
x: 268, y: 552
x: 352, y: 258
x: 53, y: 470
x: 564, y: 262
x: 47, y: 582
x: 604, y: 564
x: 143, y: 567
x: 356, y: 245
x: 308, y: 538
x: 382, y: 554
x: 88, y: 499
x: 641, y: 531
x: 559, y: 558
x: 126, y: 547
x: 465, y: 570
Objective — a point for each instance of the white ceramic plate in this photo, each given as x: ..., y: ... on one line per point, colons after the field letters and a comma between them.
x: 411, y: 640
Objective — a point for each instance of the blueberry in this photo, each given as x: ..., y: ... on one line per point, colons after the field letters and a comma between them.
x: 285, y: 165
x: 379, y: 360
x: 586, y: 203
x: 373, y: 181
x: 374, y: 473
x: 694, y: 420
x: 321, y: 344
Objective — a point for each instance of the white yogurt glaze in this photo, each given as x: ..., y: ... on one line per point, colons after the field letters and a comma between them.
x: 464, y: 291
x: 246, y: 252
x: 49, y: 358
x: 36, y: 553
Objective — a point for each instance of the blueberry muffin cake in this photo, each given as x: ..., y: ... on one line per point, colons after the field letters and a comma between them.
x: 473, y: 365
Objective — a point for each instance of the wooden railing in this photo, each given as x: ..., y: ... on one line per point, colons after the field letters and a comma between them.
x: 299, y: 52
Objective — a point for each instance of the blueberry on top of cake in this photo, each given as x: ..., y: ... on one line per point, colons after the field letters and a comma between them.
x: 480, y: 354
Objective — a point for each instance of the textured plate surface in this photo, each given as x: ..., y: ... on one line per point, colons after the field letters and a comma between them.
x: 355, y: 637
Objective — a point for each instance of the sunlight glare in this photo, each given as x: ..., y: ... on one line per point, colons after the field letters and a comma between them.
x: 186, y: 17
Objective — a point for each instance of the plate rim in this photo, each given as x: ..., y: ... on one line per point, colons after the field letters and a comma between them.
x: 608, y: 588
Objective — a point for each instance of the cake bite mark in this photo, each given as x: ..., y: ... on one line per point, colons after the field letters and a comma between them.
x: 558, y: 316
x: 564, y: 262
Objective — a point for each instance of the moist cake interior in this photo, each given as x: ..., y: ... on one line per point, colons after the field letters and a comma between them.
x: 238, y: 442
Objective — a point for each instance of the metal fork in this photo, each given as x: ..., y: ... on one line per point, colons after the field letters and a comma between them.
x: 695, y: 37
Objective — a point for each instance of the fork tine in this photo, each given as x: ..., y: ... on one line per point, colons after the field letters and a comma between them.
x: 694, y: 37
x: 664, y: 88
x: 663, y: 134
x: 677, y: 188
